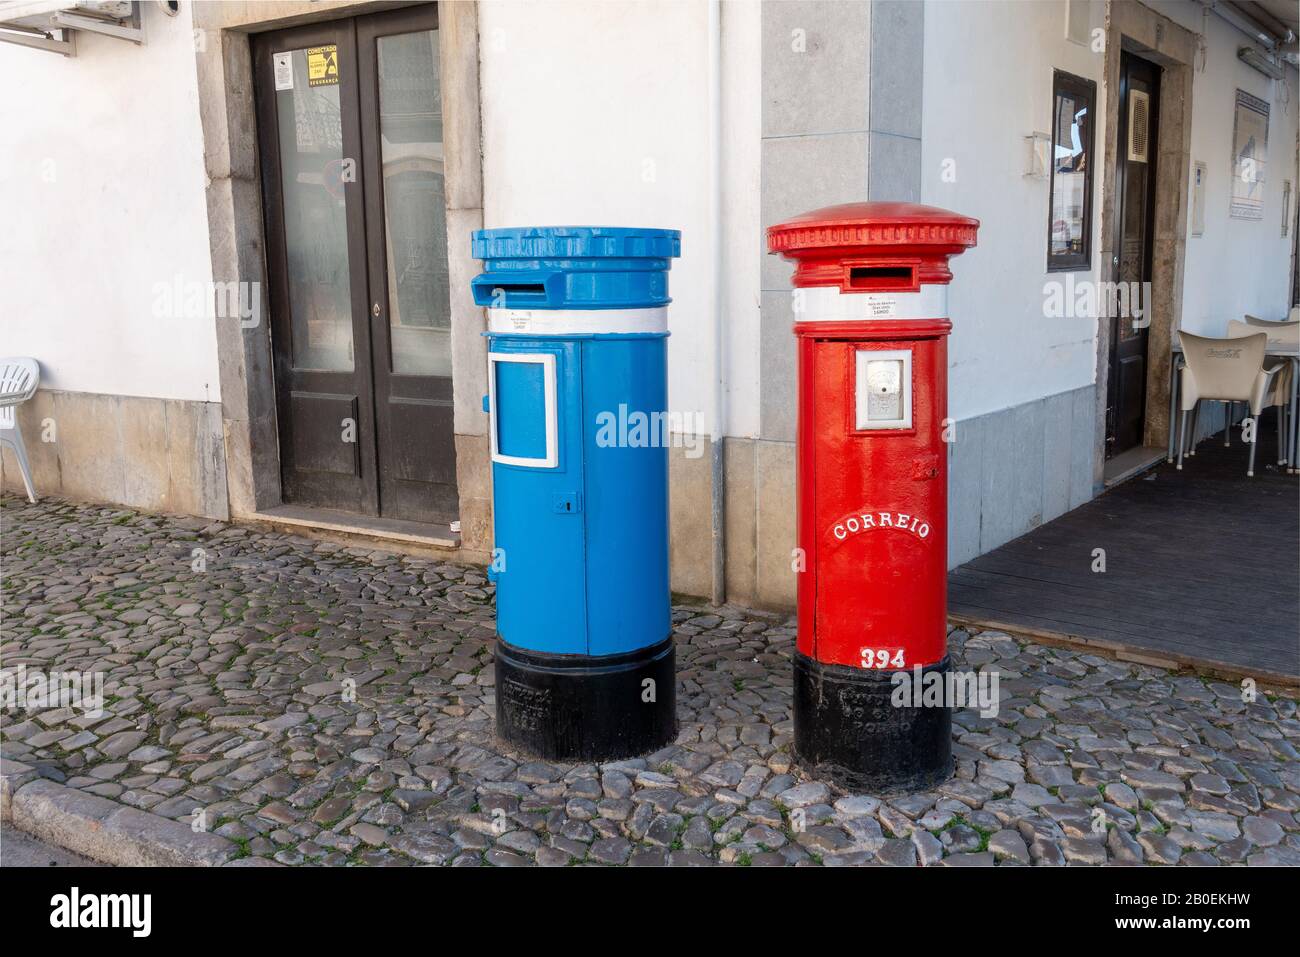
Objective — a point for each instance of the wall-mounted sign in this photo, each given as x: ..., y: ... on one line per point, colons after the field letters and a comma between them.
x: 1249, y: 156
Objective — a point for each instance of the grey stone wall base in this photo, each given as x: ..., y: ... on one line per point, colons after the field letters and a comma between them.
x: 160, y: 455
x: 1014, y: 469
x: 104, y: 830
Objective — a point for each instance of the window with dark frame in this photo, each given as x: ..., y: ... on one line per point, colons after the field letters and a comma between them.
x: 1069, y: 234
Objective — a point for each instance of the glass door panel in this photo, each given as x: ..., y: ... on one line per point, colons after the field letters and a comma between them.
x: 415, y: 222
x: 312, y: 167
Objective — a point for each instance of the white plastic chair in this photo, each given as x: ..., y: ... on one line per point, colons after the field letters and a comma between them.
x: 1286, y: 335
x: 1226, y: 370
x: 1285, y: 329
x: 19, y: 377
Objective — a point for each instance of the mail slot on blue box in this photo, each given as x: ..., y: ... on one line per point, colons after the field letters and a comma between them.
x: 577, y: 395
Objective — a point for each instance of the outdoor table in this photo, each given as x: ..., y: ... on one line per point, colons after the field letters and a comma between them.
x: 1275, y: 350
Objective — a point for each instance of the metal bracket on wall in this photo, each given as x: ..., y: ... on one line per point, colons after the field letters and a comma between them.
x: 35, y: 24
x: 38, y: 39
x: 121, y: 30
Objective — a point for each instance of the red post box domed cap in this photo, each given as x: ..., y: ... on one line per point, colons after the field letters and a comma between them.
x: 823, y: 241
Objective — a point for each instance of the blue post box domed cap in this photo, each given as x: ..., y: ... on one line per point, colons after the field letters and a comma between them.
x: 577, y: 242
x: 574, y: 267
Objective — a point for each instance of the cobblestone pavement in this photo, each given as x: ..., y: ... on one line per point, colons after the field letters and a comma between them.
x: 224, y: 674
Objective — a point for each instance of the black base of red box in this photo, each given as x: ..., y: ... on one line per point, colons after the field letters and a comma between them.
x: 847, y: 729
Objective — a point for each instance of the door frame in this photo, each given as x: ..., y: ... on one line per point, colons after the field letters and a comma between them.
x: 237, y: 243
x: 1150, y: 198
x: 1137, y: 29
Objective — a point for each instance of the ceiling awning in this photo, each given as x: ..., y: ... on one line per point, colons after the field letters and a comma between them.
x: 52, y: 25
x: 1272, y: 25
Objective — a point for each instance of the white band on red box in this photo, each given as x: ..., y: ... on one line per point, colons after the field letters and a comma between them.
x: 831, y: 304
x: 568, y: 322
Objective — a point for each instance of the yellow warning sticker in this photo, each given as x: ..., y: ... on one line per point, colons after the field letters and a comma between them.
x: 323, y: 65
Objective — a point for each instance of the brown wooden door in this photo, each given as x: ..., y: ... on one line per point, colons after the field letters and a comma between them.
x: 406, y: 231
x: 1135, y: 181
x: 350, y: 128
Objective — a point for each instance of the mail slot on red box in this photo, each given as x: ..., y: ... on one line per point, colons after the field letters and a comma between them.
x: 870, y: 298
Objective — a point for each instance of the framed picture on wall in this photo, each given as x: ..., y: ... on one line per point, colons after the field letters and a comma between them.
x: 1249, y: 156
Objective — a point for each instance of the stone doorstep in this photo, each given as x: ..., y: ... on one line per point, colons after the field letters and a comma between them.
x: 358, y: 530
x: 101, y: 829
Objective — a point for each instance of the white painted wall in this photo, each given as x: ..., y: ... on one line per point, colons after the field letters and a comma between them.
x: 598, y: 113
x: 988, y: 85
x: 102, y: 187
x: 978, y: 108
x: 1237, y: 266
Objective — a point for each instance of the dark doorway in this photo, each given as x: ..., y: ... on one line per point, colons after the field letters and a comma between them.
x: 350, y: 128
x: 1135, y: 188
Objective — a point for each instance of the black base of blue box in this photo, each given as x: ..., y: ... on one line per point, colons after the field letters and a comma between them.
x: 586, y: 708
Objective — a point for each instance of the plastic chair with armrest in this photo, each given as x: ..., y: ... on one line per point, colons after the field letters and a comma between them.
x: 19, y: 378
x: 1226, y: 370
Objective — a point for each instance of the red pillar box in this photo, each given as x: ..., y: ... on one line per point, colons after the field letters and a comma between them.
x: 871, y: 283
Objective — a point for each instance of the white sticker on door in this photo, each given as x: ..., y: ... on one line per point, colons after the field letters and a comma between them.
x: 283, y: 71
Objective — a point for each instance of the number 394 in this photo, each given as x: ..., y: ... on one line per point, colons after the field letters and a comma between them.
x: 883, y: 658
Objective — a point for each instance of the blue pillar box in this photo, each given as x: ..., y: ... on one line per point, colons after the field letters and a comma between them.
x: 577, y: 334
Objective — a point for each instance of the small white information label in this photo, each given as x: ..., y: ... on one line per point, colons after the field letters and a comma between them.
x: 881, y: 307
x: 283, y: 71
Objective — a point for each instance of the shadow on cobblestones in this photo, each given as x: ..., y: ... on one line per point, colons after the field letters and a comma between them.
x: 321, y: 704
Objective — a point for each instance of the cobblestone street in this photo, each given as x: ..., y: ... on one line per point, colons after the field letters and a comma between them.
x: 225, y: 652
